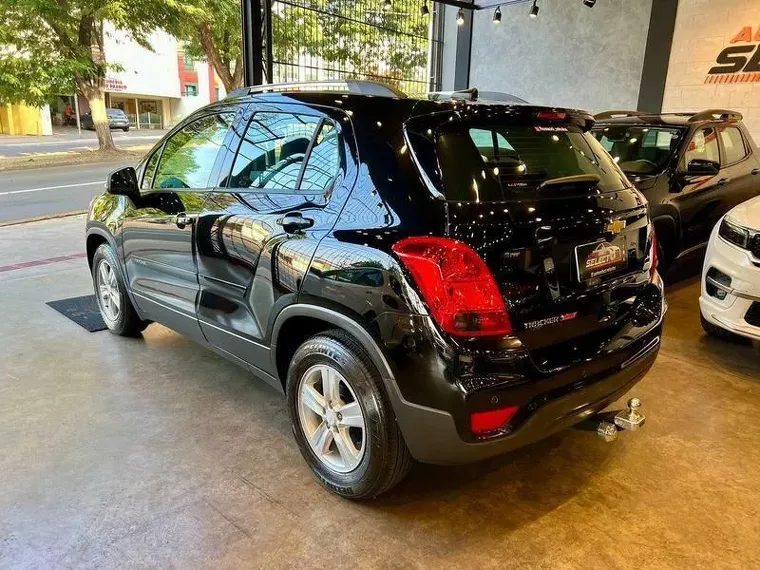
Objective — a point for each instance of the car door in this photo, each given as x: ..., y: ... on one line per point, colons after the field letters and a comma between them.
x: 157, y: 235
x: 700, y: 197
x: 740, y: 168
x: 261, y: 226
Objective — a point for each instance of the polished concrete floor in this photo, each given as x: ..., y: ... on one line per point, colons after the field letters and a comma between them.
x: 153, y: 453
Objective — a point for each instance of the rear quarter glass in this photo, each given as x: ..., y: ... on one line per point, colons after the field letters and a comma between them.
x: 487, y: 159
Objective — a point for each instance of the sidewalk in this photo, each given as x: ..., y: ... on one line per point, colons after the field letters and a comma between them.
x: 66, y: 135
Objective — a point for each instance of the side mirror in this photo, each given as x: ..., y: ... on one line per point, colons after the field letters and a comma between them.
x: 702, y: 167
x: 123, y: 182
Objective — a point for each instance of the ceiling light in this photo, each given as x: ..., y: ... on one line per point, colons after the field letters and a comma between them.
x: 387, y: 5
x: 425, y: 11
x: 460, y: 17
x: 497, y: 15
x: 534, y: 10
x: 589, y: 3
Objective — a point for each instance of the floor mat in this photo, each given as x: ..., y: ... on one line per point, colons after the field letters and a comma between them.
x: 82, y: 310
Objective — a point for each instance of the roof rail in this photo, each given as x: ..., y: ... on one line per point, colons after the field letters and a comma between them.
x: 353, y: 86
x: 615, y: 114
x: 716, y: 114
x: 474, y: 94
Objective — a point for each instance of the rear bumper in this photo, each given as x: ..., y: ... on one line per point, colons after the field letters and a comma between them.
x: 433, y: 402
x: 432, y: 437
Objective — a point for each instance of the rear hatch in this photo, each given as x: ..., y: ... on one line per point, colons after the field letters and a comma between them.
x: 551, y: 214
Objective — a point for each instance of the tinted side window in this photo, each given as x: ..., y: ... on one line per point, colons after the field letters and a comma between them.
x: 733, y: 144
x: 324, y: 161
x: 704, y: 146
x: 150, y: 170
x: 272, y: 151
x: 190, y: 153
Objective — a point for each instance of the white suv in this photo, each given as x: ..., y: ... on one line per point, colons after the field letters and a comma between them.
x: 730, y: 299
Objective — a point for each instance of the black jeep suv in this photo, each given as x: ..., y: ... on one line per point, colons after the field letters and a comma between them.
x: 692, y: 167
x: 436, y: 280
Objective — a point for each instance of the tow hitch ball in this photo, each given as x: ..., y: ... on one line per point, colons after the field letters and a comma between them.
x: 630, y: 419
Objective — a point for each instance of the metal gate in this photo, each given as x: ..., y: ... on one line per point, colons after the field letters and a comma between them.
x: 392, y: 42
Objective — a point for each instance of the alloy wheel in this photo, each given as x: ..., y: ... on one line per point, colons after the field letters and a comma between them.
x: 109, y: 296
x: 331, y: 418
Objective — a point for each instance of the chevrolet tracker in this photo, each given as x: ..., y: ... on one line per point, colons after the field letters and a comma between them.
x: 443, y: 280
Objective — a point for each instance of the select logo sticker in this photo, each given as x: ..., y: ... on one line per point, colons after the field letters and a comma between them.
x: 599, y: 259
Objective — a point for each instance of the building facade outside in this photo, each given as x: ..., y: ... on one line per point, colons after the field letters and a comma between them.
x: 155, y: 88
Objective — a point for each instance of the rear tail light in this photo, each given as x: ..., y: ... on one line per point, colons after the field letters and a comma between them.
x: 482, y: 423
x: 652, y: 253
x: 455, y: 282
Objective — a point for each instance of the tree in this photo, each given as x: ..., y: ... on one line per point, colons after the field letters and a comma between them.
x: 211, y: 30
x: 352, y: 39
x: 52, y: 46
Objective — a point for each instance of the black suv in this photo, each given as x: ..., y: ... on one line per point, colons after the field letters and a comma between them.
x: 692, y: 167
x: 438, y: 280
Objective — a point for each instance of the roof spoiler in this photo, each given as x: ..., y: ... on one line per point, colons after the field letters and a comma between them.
x: 716, y: 114
x: 353, y: 86
x: 474, y: 94
x: 616, y: 114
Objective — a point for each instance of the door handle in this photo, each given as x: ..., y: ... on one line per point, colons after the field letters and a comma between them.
x: 183, y: 220
x: 723, y: 181
x: 294, y: 221
x: 756, y: 172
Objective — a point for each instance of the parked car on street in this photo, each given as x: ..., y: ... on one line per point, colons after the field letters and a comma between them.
x: 117, y: 119
x: 692, y: 167
x: 440, y: 280
x: 730, y: 299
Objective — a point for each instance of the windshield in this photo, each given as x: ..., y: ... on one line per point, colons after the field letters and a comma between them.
x: 637, y: 149
x: 479, y: 161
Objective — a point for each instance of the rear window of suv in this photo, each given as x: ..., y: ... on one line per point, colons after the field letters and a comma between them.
x: 489, y: 160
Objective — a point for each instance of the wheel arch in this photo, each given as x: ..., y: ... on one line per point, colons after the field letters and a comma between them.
x: 95, y: 238
x: 295, y: 323
x: 668, y: 235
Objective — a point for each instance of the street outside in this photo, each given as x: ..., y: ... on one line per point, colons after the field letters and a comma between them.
x: 55, y: 190
x: 69, y: 140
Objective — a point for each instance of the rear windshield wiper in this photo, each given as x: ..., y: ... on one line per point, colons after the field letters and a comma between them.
x: 577, y: 180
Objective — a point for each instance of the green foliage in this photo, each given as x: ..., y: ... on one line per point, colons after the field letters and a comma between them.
x: 352, y: 39
x: 48, y: 45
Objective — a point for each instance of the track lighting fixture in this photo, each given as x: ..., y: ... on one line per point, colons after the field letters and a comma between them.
x: 534, y: 10
x: 424, y: 10
x: 387, y: 5
x: 497, y: 15
x: 460, y: 17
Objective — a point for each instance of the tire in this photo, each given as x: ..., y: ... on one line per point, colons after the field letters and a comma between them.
x: 125, y: 129
x: 120, y: 317
x: 717, y: 332
x: 382, y: 459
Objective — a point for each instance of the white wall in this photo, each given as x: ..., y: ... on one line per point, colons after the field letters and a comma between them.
x: 571, y: 55
x: 703, y: 29
x: 145, y: 72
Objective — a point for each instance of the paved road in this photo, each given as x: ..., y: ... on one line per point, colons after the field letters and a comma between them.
x: 48, y: 191
x: 70, y: 141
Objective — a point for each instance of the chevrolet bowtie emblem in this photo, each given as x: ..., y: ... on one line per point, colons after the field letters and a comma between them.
x: 615, y: 226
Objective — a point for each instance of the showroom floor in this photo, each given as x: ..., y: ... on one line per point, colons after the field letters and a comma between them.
x: 154, y: 453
